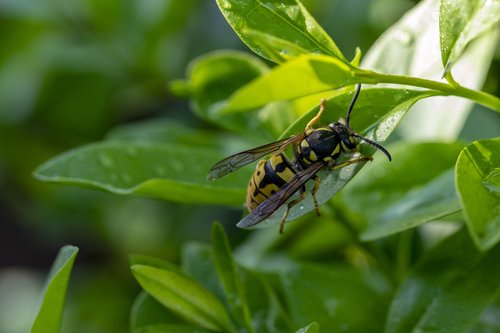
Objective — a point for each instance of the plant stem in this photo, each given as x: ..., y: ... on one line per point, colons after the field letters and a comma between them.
x: 480, y: 97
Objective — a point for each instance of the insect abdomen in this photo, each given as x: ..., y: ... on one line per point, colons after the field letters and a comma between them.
x: 269, y: 177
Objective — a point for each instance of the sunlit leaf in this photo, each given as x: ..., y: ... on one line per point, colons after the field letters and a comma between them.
x: 460, y: 21
x: 411, y: 47
x: 278, y: 28
x: 299, y: 77
x: 478, y: 185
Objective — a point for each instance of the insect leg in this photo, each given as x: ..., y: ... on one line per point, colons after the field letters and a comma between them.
x: 334, y: 166
x: 317, y: 116
x: 313, y: 193
x: 289, y: 206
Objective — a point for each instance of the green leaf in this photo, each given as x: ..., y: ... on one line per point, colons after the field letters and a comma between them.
x: 147, y: 311
x: 230, y: 278
x: 141, y: 259
x: 197, y: 262
x: 311, y: 328
x: 478, y: 185
x: 168, y: 328
x: 448, y: 290
x: 299, y: 77
x: 174, y: 132
x: 376, y: 114
x: 392, y: 201
x: 184, y: 296
x: 213, y: 77
x: 460, y: 22
x: 49, y: 316
x: 338, y: 298
x: 165, y: 171
x: 283, y: 27
x: 410, y: 47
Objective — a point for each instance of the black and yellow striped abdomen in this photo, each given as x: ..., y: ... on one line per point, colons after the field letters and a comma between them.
x: 269, y: 177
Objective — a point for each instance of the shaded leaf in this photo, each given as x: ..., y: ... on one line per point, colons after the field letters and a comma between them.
x: 478, y: 185
x: 416, y: 187
x: 283, y: 27
x: 338, y: 298
x: 266, y: 312
x: 168, y: 328
x: 460, y: 21
x: 170, y: 172
x: 147, y: 311
x: 230, y: 278
x: 49, y: 315
x: 184, y: 296
x: 448, y: 290
x: 311, y: 328
x: 214, y: 77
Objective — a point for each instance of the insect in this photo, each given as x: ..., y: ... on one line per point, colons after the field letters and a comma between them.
x: 276, y: 179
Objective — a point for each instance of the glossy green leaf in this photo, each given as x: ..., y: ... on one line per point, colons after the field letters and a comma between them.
x: 175, y: 132
x: 338, y: 298
x: 448, y: 290
x: 410, y: 47
x: 230, y: 278
x: 49, y: 315
x: 165, y: 171
x: 311, y: 328
x: 416, y: 187
x: 460, y: 21
x: 376, y: 114
x: 214, y: 77
x: 184, y: 296
x: 287, y: 23
x: 478, y: 185
x: 299, y: 77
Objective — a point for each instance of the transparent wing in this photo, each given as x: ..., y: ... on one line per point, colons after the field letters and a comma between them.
x: 233, y: 162
x: 270, y: 205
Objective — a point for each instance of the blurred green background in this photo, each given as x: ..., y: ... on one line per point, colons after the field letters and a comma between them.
x: 70, y: 71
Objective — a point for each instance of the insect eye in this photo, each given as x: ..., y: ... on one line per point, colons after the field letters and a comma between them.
x: 349, y: 142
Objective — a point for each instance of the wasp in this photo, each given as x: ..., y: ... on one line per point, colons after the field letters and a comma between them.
x: 277, y: 178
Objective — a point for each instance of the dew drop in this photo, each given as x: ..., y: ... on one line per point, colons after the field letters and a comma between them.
x: 106, y: 161
x: 404, y: 37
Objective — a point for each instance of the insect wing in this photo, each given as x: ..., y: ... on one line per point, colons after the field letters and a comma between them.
x: 236, y: 161
x: 269, y: 206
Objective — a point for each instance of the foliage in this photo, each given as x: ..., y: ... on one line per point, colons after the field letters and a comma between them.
x: 363, y: 266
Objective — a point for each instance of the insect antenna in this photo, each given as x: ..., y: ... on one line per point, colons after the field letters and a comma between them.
x: 374, y: 144
x: 351, y: 106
